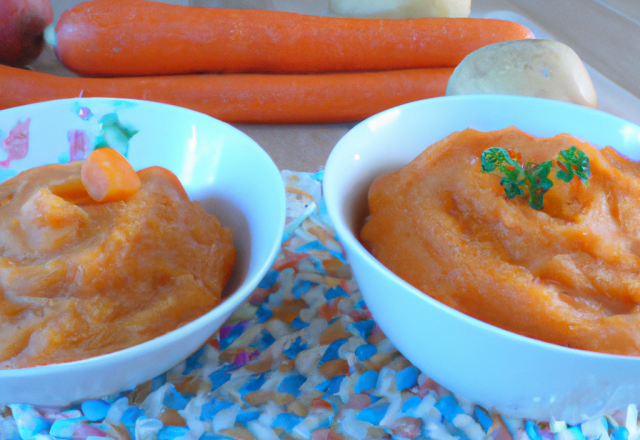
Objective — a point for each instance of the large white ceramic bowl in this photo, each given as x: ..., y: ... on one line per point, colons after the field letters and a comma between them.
x: 218, y: 165
x: 515, y: 375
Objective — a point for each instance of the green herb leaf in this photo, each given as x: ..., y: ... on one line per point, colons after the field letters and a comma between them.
x: 498, y: 161
x: 513, y: 188
x: 493, y: 158
x: 573, y: 162
x: 538, y: 182
x: 534, y: 177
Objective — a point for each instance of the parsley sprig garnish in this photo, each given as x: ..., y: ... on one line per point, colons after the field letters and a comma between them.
x: 533, y: 179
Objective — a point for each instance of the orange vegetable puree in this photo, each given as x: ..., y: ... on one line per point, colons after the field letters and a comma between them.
x: 80, y: 278
x: 568, y: 274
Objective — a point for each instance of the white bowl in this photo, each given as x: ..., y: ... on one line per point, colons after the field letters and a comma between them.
x: 502, y: 371
x: 218, y: 165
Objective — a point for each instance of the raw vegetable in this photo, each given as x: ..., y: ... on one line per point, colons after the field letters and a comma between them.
x: 534, y: 177
x: 542, y: 68
x: 400, y: 9
x: 141, y: 37
x: 108, y: 176
x: 332, y: 97
x: 22, y: 23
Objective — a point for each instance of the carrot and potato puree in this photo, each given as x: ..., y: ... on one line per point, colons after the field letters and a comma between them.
x: 80, y: 278
x: 568, y: 274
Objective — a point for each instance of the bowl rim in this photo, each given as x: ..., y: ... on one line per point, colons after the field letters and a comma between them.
x: 333, y: 200
x: 226, y: 306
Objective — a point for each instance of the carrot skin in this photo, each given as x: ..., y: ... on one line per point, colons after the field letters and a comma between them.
x: 255, y: 98
x: 141, y: 37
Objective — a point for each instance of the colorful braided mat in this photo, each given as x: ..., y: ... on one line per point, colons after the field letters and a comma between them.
x: 301, y: 359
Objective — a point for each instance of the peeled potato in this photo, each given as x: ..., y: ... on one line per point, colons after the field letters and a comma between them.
x: 541, y: 68
x: 400, y: 9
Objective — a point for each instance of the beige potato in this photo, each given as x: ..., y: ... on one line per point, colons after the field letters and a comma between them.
x: 400, y: 9
x: 541, y: 68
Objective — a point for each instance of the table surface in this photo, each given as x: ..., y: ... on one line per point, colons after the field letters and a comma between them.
x: 584, y: 25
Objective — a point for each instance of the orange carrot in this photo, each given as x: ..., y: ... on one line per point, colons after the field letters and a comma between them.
x: 108, y: 176
x: 73, y: 191
x: 331, y: 97
x: 160, y: 174
x: 141, y: 37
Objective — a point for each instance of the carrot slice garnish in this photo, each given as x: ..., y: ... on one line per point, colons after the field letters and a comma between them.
x: 108, y: 176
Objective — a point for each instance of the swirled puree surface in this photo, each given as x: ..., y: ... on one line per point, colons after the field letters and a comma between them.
x: 568, y: 274
x: 81, y: 278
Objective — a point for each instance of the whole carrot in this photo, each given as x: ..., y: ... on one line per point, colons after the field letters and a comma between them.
x: 140, y: 37
x: 328, y: 97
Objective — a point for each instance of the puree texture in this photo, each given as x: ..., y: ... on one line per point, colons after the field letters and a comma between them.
x: 568, y: 274
x: 80, y: 278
